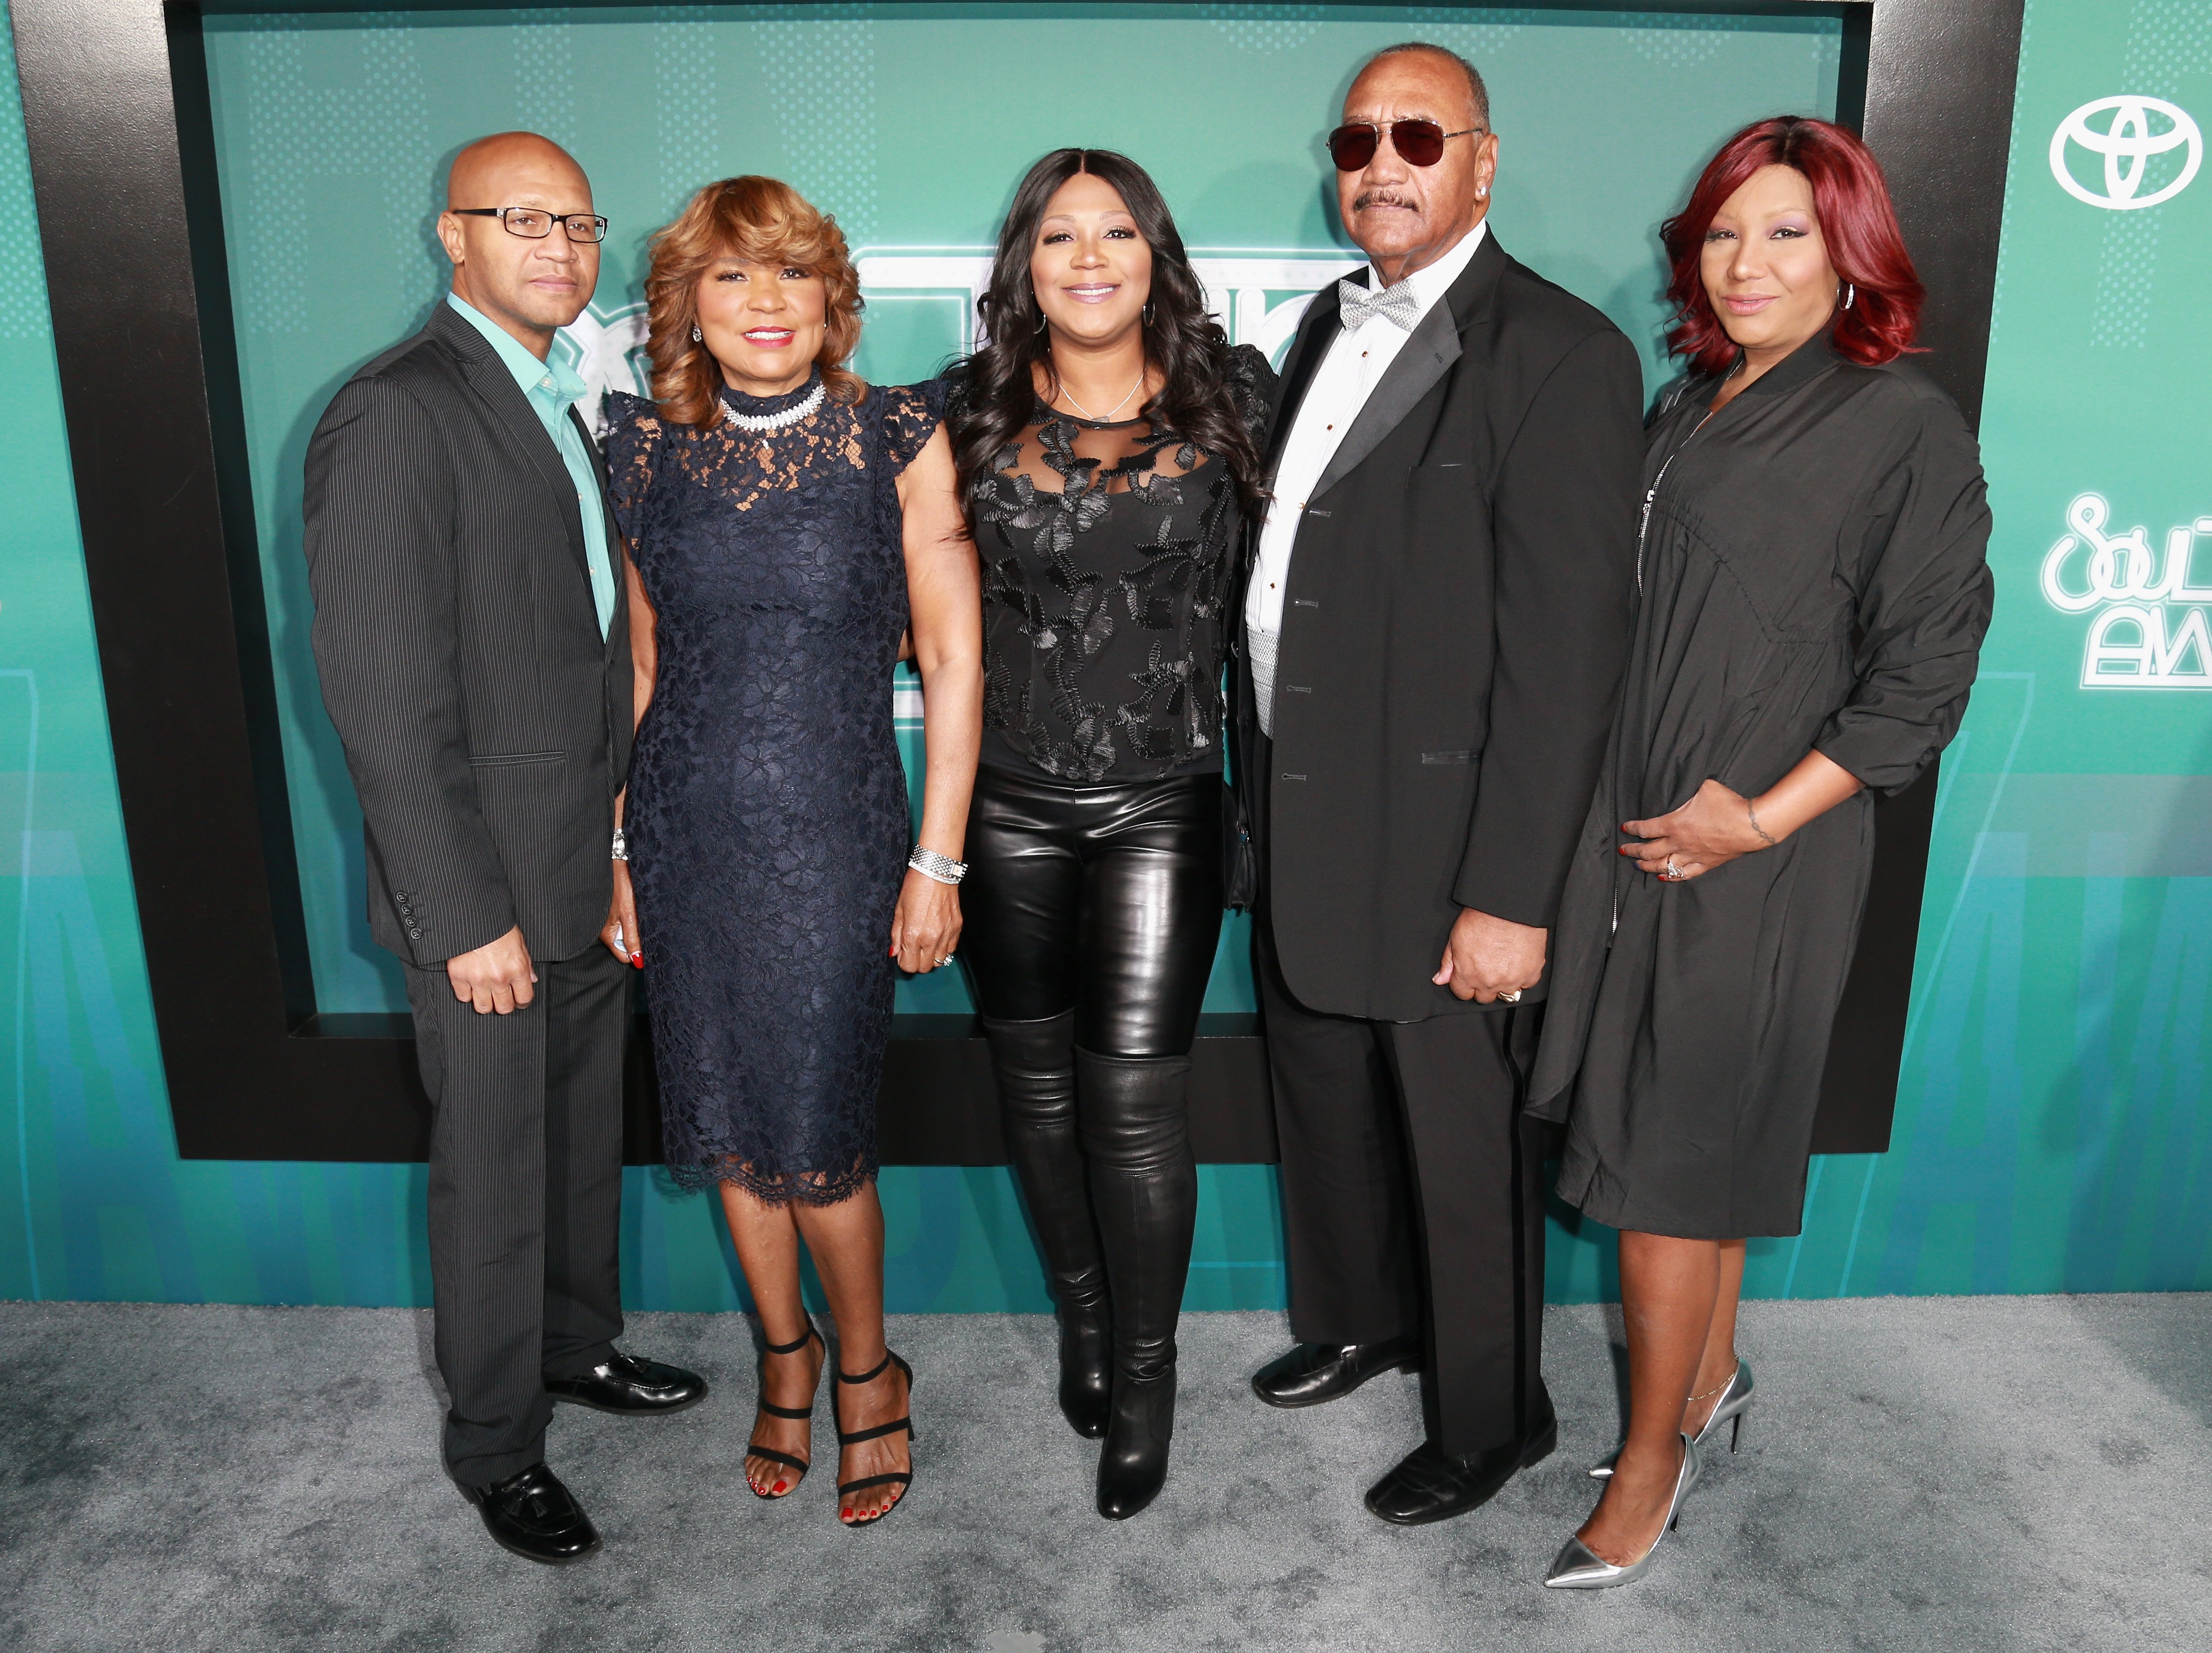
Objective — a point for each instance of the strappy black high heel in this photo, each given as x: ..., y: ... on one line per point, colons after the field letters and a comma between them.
x: 806, y: 1411
x: 896, y: 1477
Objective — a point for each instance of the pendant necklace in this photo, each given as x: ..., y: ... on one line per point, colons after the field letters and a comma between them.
x: 1100, y: 419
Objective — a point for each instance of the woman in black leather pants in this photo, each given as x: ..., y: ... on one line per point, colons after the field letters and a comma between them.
x: 1108, y: 443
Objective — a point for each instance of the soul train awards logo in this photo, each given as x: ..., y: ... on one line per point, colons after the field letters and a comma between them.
x: 607, y: 349
x: 2153, y: 628
x: 1258, y: 295
x: 2150, y: 149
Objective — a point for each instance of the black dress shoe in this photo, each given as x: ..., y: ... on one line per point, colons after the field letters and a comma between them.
x: 623, y: 1384
x: 1314, y: 1372
x: 537, y: 1517
x: 1430, y: 1485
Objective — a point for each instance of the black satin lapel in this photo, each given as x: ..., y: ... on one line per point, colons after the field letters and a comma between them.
x: 1317, y: 331
x: 1428, y: 356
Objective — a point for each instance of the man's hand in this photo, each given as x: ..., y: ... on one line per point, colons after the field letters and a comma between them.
x: 1489, y: 957
x: 497, y: 976
x: 619, y: 933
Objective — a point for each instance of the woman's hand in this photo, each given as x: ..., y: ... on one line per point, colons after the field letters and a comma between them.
x: 619, y: 935
x: 926, y: 928
x: 1710, y: 830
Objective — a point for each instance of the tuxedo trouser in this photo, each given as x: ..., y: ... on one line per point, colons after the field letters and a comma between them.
x: 525, y: 1199
x: 1413, y: 1196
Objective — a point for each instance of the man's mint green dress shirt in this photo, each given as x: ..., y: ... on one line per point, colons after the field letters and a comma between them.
x: 553, y: 386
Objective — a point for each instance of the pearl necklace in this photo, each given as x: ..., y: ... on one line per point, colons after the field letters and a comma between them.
x: 759, y: 422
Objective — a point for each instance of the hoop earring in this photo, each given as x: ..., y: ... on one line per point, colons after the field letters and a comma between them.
x: 1850, y: 294
x: 696, y: 336
x: 1148, y: 312
x: 1043, y: 321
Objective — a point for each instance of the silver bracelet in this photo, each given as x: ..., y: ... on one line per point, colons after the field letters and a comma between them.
x: 1748, y: 809
x: 621, y: 851
x: 930, y: 864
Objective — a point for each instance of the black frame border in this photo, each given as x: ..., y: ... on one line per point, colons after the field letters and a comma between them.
x: 115, y: 104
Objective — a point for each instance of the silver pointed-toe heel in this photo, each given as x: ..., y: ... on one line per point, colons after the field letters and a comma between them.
x: 1736, y: 1401
x: 1579, y: 1567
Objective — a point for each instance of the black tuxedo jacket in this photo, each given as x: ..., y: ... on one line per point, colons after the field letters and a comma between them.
x: 486, y: 723
x: 1454, y: 629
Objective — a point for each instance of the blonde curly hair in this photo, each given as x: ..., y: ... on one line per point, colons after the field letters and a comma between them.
x: 762, y: 221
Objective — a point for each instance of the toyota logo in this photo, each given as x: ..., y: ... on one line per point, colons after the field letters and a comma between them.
x: 2133, y: 133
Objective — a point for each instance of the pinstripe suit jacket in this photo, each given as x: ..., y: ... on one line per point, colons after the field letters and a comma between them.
x: 486, y: 723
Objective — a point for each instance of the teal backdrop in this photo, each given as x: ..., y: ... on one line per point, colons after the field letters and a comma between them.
x: 2050, y: 1123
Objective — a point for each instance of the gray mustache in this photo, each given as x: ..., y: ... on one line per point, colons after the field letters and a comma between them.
x: 1382, y: 198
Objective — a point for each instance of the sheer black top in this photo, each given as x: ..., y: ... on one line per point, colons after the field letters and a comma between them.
x: 1106, y: 552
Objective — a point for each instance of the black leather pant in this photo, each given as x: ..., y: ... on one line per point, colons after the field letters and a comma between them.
x: 1091, y: 915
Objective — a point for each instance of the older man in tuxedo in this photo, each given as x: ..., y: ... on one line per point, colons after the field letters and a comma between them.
x: 474, y: 646
x: 1435, y: 615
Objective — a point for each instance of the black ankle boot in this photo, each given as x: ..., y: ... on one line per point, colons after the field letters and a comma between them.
x: 1144, y: 1187
x: 1133, y: 1465
x: 1035, y: 1062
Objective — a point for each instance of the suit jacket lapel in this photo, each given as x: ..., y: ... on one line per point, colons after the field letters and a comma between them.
x: 1431, y: 350
x: 1317, y: 331
x: 618, y: 614
x: 1428, y: 356
x: 489, y: 377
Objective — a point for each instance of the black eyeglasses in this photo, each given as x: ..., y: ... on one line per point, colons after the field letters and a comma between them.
x: 537, y: 224
x: 1418, y: 142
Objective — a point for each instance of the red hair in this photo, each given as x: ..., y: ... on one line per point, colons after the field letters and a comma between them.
x: 1858, y: 221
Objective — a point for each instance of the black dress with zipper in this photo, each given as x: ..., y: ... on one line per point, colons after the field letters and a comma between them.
x: 1810, y: 576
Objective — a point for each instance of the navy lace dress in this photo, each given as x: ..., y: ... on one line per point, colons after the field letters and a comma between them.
x: 767, y: 815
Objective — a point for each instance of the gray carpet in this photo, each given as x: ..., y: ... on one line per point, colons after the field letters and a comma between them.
x: 1995, y: 1472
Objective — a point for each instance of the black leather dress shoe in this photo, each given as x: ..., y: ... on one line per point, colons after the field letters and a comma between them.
x: 537, y: 1517
x: 635, y: 1388
x: 1314, y: 1372
x: 1429, y: 1485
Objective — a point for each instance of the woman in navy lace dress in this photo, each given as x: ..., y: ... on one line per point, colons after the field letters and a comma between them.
x: 788, y: 526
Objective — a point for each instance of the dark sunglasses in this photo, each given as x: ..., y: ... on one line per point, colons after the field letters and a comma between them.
x: 1418, y: 142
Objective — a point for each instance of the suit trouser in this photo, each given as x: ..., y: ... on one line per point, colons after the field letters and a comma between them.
x: 526, y: 1198
x: 1412, y: 1180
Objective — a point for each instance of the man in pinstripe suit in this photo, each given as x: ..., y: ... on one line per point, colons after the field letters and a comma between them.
x: 472, y: 635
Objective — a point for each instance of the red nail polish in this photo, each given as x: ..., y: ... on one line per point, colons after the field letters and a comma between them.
x: 779, y: 1487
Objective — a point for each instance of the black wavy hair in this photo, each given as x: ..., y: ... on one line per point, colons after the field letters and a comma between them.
x: 997, y: 387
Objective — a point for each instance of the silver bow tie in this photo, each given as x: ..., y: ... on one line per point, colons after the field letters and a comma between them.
x: 1396, y: 305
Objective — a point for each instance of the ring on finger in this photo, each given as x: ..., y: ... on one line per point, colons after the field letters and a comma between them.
x: 1671, y: 873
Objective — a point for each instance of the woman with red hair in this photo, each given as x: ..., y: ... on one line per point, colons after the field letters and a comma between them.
x: 1812, y: 595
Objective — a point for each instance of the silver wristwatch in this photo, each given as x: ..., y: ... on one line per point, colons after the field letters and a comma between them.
x: 930, y: 864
